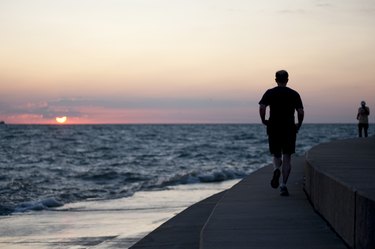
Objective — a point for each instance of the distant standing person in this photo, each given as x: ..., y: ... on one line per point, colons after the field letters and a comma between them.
x: 281, y: 127
x: 362, y: 116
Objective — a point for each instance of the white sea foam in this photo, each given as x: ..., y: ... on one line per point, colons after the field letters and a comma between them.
x: 38, y: 205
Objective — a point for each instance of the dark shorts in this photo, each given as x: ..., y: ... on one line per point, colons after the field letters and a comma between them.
x: 282, y: 141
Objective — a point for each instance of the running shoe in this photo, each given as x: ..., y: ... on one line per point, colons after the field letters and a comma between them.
x: 275, y: 179
x: 284, y: 191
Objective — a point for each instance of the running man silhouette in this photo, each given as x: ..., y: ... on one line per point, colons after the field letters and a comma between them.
x: 281, y: 127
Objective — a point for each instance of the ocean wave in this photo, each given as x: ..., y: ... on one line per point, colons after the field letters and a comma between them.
x: 109, y: 175
x: 5, y: 210
x: 80, y: 163
x: 198, y: 177
x: 38, y: 205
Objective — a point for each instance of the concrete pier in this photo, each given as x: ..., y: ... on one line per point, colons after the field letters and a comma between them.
x: 331, y: 205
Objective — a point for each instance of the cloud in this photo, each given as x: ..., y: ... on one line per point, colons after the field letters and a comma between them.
x: 79, y: 107
x: 151, y: 103
x: 43, y: 109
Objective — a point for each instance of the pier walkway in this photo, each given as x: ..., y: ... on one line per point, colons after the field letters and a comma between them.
x: 331, y: 205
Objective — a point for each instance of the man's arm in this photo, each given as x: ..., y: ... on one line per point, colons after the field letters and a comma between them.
x: 300, y: 116
x: 262, y: 113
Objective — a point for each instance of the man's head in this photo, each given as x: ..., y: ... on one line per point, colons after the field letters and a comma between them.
x: 282, y: 77
x: 363, y: 103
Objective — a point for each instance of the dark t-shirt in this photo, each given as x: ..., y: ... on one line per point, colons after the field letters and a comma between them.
x: 283, y: 101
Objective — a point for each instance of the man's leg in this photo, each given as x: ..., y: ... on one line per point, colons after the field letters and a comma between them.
x: 359, y: 130
x: 275, y: 150
x: 366, y: 130
x: 286, y: 167
x: 277, y: 162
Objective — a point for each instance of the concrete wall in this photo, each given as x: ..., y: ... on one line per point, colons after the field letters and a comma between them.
x: 340, y: 183
x: 365, y: 221
x: 334, y: 201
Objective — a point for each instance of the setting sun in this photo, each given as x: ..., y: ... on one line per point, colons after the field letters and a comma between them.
x: 61, y: 120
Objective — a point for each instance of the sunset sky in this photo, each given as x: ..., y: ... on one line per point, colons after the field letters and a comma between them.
x: 182, y: 61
